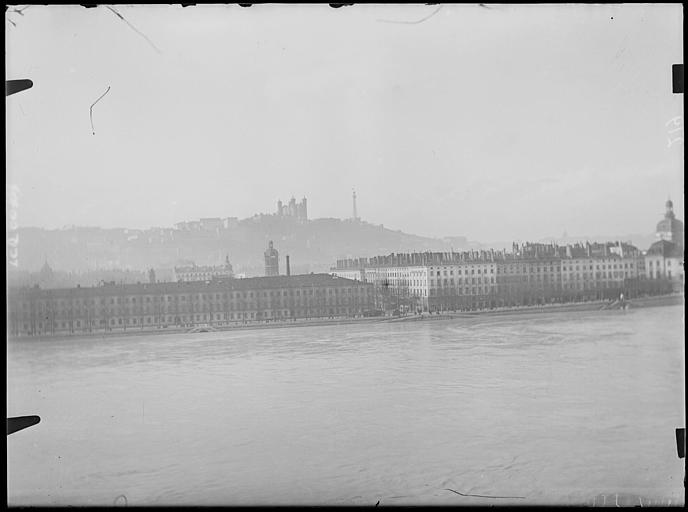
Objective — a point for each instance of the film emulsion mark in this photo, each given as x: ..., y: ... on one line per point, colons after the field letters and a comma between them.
x: 677, y: 78
x: 90, y: 110
x: 20, y: 423
x: 681, y: 442
x: 674, y: 131
x: 15, y: 86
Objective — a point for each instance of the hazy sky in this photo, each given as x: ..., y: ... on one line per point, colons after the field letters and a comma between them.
x: 513, y: 122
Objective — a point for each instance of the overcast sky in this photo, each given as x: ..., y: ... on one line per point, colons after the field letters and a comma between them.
x: 513, y: 122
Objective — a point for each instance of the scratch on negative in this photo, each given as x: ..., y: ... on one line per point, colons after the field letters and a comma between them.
x: 21, y: 11
x: 18, y: 11
x: 483, y: 496
x: 134, y: 28
x: 414, y: 22
x: 91, y: 109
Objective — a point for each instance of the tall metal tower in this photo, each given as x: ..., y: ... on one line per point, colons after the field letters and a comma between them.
x: 355, y: 211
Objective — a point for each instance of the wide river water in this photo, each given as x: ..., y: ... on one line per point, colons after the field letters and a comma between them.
x: 556, y: 408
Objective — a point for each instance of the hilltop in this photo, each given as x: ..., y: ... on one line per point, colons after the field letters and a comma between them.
x: 313, y: 245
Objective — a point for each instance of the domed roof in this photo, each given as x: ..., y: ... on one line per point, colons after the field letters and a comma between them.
x: 669, y: 224
x: 669, y: 204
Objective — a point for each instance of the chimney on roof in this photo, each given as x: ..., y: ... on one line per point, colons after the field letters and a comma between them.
x: 288, y: 270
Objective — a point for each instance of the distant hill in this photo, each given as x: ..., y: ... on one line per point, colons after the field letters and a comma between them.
x: 312, y: 246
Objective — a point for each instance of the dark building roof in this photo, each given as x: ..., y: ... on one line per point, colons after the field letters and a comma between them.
x: 523, y: 253
x: 216, y: 285
x: 666, y: 249
x: 204, y: 268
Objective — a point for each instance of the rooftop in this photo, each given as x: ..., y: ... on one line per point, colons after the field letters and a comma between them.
x: 666, y: 249
x: 217, y: 285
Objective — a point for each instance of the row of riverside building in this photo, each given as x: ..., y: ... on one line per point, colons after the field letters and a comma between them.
x: 216, y: 303
x: 530, y: 274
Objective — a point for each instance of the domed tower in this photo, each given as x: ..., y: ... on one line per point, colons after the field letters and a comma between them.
x: 669, y: 205
x: 670, y: 228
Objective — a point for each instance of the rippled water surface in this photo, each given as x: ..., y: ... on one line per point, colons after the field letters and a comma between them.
x: 530, y: 408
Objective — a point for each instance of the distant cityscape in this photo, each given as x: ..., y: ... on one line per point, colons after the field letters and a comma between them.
x: 532, y: 273
x: 89, y: 255
x: 397, y: 283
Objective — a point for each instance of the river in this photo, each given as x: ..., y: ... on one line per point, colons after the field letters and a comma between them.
x: 556, y: 408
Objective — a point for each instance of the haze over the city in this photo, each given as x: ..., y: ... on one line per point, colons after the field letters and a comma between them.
x: 496, y: 123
